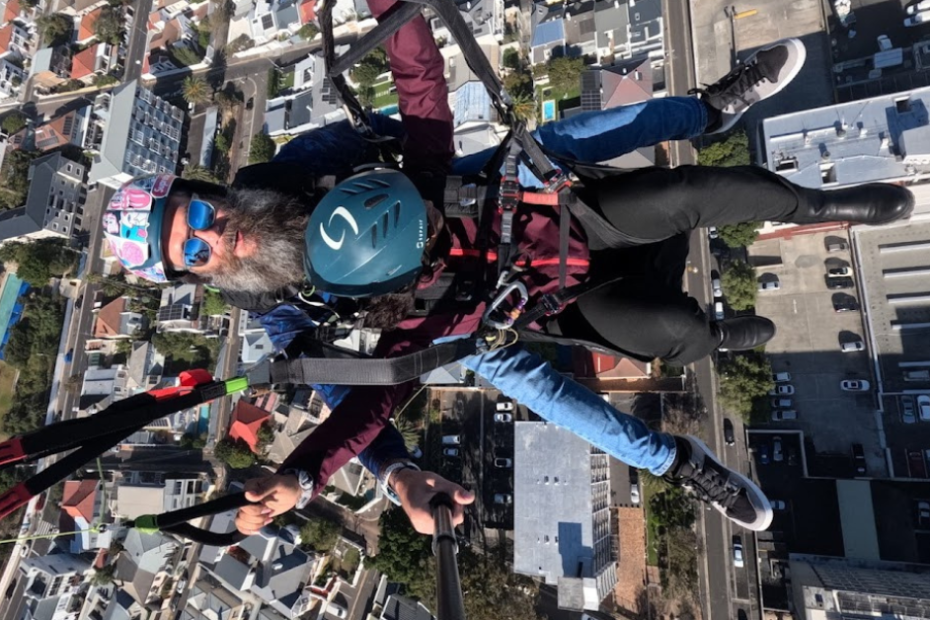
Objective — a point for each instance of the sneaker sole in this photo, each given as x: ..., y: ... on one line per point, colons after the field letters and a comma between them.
x: 801, y: 52
x: 752, y: 491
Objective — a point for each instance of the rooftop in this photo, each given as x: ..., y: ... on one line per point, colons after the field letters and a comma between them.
x: 88, y: 22
x: 552, y: 31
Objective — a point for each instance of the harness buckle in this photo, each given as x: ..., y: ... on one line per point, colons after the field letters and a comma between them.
x: 557, y: 182
x: 550, y: 303
x: 503, y: 319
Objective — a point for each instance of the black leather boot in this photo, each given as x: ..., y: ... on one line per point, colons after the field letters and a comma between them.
x: 744, y: 333
x: 872, y: 203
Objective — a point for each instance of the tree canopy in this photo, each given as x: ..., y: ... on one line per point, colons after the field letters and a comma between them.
x: 196, y: 172
x: 262, y: 149
x: 739, y: 235
x: 39, y: 261
x: 739, y: 285
x: 109, y: 25
x: 370, y: 68
x: 519, y: 84
x: 196, y: 90
x: 512, y: 59
x: 731, y: 151
x: 565, y: 73
x: 234, y: 452
x: 320, y: 534
x: 55, y: 28
x: 14, y: 178
x: 13, y: 122
x: 308, y: 31
x: 742, y: 380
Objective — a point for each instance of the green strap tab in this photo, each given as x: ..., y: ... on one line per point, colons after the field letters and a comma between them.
x: 236, y: 384
x: 147, y: 524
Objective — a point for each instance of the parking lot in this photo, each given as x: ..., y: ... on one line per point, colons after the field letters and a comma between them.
x: 808, y: 346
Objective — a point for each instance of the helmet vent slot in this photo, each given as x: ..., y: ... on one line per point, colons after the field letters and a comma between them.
x: 375, y: 200
x: 396, y: 214
x: 374, y: 236
x: 384, y: 225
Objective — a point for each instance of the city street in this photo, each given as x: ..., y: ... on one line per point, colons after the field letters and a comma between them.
x: 138, y: 39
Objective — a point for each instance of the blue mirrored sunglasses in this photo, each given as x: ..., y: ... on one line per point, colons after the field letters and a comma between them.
x: 200, y: 216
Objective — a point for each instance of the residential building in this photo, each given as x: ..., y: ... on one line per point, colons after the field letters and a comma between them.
x: 247, y: 420
x: 580, y: 29
x: 68, y: 128
x: 119, y: 605
x: 169, y: 26
x: 93, y: 61
x: 588, y: 364
x: 146, y: 366
x: 50, y: 67
x: 272, y: 569
x: 82, y: 510
x: 86, y: 30
x: 144, y: 564
x: 11, y: 76
x: 116, y: 321
x: 398, y: 607
x: 885, y: 138
x: 824, y: 588
x: 181, y: 311
x: 624, y: 83
x: 139, y: 134
x: 290, y: 115
x: 208, y: 600
x: 147, y: 492
x: 54, y: 206
x: 647, y: 32
x: 16, y: 39
x: 475, y: 120
x: 291, y: 426
x: 611, y: 27
x: 561, y: 514
x: 271, y: 20
x: 450, y: 374
x: 485, y: 19
x: 548, y: 40
x: 53, y: 584
x: 102, y: 386
x: 256, y: 343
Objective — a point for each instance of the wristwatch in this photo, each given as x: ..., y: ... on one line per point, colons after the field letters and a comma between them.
x: 385, y: 477
x: 305, y: 481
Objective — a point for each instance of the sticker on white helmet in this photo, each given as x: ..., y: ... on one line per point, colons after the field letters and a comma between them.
x: 344, y: 214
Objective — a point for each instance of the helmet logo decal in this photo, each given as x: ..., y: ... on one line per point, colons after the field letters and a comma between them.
x: 344, y: 214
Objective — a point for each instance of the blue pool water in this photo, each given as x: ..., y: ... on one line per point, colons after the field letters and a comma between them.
x: 204, y: 422
x: 548, y: 108
x: 389, y: 110
x: 10, y: 308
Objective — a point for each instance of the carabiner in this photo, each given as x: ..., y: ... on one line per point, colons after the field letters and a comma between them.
x: 501, y: 297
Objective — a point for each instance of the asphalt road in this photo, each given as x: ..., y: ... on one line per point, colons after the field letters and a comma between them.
x: 679, y: 67
x: 138, y: 37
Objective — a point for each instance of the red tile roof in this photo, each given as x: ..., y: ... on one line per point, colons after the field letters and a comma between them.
x: 108, y: 319
x: 84, y: 63
x: 86, y: 30
x: 590, y: 365
x: 307, y: 11
x: 6, y: 35
x: 78, y: 499
x: 247, y: 419
x: 13, y: 9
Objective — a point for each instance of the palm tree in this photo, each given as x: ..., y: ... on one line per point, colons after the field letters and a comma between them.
x: 195, y: 172
x: 408, y: 431
x: 524, y: 107
x: 196, y: 90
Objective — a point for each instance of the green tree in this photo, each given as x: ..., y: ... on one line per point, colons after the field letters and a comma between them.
x: 39, y: 261
x: 239, y: 44
x: 320, y: 534
x: 55, y: 28
x: 185, y: 56
x: 371, y: 67
x: 565, y: 73
x: 512, y: 59
x: 308, y: 31
x: 262, y: 149
x: 213, y: 304
x: 109, y: 25
x: 524, y: 107
x: 731, y: 151
x: 742, y: 380
x: 228, y: 98
x: 234, y: 452
x: 105, y: 80
x: 13, y: 122
x: 739, y: 235
x: 494, y: 591
x: 265, y: 435
x: 739, y: 285
x: 192, y: 441
x: 104, y: 576
x: 408, y: 431
x: 195, y: 172
x: 195, y: 90
x: 221, y: 142
x: 519, y: 84
x: 405, y: 556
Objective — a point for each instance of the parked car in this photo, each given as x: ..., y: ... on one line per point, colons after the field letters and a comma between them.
x: 839, y: 272
x: 777, y: 504
x: 502, y: 462
x: 907, y: 410
x: 923, y: 514
x: 839, y: 246
x: 69, y: 356
x: 923, y: 406
x: 839, y: 283
x: 738, y: 552
x: 728, y: 432
x: 919, y: 7
x: 505, y: 406
x: 778, y: 453
x: 712, y: 232
x: 781, y: 377
x: 718, y: 311
x: 764, y: 454
x: 715, y: 285
x: 454, y: 452
x: 918, y: 19
x: 503, y: 417
x: 780, y: 415
x: 851, y: 347
x: 782, y: 390
x: 854, y: 385
x: 503, y: 499
x: 337, y: 610
x: 846, y: 306
x: 782, y: 403
x: 916, y: 465
x: 859, y: 459
x: 451, y: 440
x: 634, y: 493
x: 771, y: 285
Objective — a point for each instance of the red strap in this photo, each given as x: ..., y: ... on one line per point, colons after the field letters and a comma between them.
x: 11, y: 451
x: 13, y: 499
x: 539, y: 198
x: 492, y: 256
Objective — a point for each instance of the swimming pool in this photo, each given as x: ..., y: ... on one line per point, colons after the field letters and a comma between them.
x: 10, y: 310
x: 389, y: 110
x: 548, y: 110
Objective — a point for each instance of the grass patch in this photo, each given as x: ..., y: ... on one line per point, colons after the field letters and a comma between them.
x: 7, y: 378
x: 652, y: 527
x: 383, y: 95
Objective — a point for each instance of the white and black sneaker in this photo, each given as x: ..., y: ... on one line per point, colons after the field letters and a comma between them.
x: 731, y: 493
x: 762, y: 75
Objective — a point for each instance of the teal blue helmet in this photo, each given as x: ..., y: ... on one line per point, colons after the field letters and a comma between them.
x: 367, y: 235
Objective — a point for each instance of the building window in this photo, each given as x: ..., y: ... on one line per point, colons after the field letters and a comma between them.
x: 69, y: 167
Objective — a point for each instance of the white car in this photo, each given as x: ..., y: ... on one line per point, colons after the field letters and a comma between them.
x: 917, y: 8
x: 923, y: 406
x: 781, y: 377
x: 851, y: 347
x: 505, y: 406
x: 918, y: 19
x: 718, y: 311
x: 634, y: 493
x: 715, y: 285
x: 454, y: 452
x: 503, y: 417
x: 503, y: 463
x: 712, y: 232
x: 782, y: 390
x: 738, y: 552
x: 503, y: 498
x: 782, y: 403
x: 778, y: 453
x: 452, y: 440
x: 907, y: 411
x: 780, y: 415
x: 839, y: 272
x: 772, y: 285
x: 854, y: 385
x: 337, y: 610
